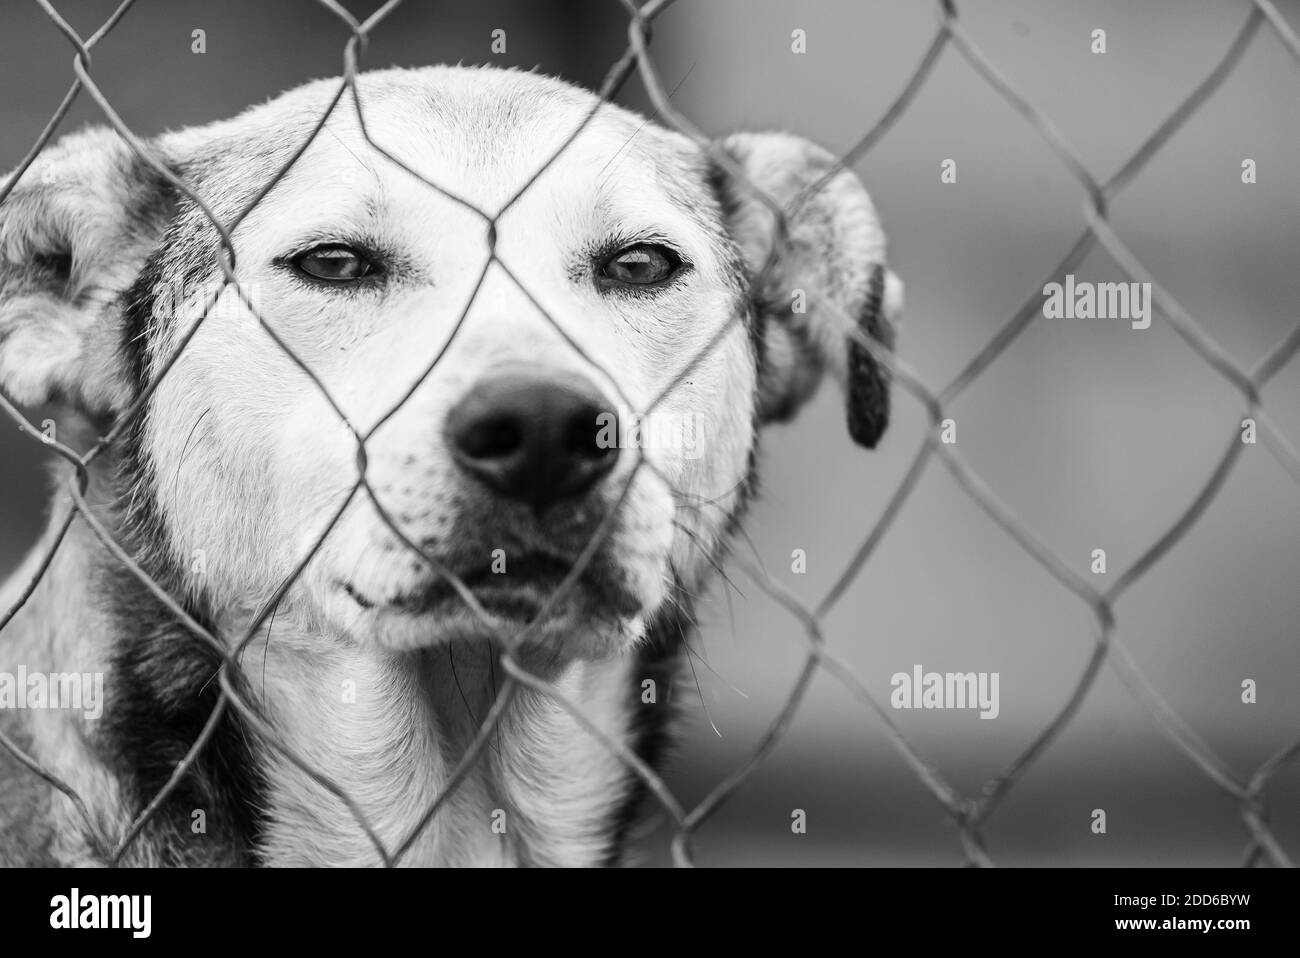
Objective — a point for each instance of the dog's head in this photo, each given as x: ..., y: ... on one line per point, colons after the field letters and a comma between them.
x: 606, y: 373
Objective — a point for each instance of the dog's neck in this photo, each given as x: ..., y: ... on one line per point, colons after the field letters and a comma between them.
x: 387, y: 731
x: 390, y: 731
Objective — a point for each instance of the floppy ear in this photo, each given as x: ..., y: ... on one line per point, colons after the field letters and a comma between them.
x: 74, y: 232
x: 827, y: 280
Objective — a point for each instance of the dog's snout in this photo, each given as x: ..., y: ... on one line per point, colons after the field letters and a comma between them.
x: 532, y: 438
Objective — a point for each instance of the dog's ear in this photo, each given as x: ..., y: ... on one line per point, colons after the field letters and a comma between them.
x: 827, y: 284
x: 75, y: 230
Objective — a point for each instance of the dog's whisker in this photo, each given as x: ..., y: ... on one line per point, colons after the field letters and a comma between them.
x: 685, y: 638
x: 188, y: 439
x: 451, y: 662
x: 708, y: 556
x: 716, y: 674
x: 492, y: 679
x: 737, y: 530
x: 266, y: 649
x: 696, y: 677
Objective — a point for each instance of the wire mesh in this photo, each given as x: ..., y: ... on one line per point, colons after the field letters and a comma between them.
x: 970, y: 812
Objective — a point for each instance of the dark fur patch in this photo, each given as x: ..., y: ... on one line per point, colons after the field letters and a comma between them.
x: 138, y: 323
x: 177, y: 268
x: 720, y: 185
x: 868, y: 394
x: 164, y: 691
x: 649, y: 725
x: 164, y: 676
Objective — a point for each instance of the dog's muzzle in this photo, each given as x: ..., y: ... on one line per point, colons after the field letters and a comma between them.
x: 532, y: 438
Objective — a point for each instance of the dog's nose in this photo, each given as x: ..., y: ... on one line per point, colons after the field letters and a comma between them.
x: 531, y: 438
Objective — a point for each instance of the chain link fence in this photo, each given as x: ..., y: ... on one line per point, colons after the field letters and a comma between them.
x: 970, y: 812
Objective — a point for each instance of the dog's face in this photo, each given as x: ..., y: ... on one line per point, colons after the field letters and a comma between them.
x: 605, y: 373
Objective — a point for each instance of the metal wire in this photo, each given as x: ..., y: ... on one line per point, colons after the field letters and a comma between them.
x: 970, y: 813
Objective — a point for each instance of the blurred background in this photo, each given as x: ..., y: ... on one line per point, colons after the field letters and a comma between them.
x: 1096, y: 435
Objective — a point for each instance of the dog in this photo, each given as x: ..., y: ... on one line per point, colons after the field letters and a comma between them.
x: 639, y: 278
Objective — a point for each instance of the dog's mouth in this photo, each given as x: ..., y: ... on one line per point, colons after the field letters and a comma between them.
x: 517, y: 588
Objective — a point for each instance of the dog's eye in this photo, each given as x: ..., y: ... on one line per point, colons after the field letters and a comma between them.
x: 640, y: 265
x: 334, y: 263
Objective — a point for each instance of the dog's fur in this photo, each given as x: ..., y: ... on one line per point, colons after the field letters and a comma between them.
x: 237, y: 461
